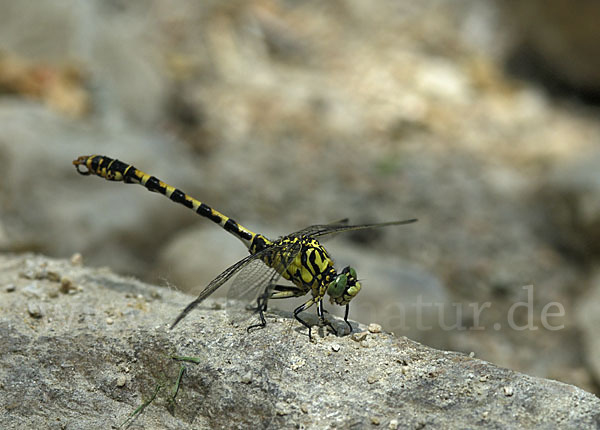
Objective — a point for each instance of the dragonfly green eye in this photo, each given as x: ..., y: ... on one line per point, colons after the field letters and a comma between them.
x: 338, y: 287
x: 344, y: 287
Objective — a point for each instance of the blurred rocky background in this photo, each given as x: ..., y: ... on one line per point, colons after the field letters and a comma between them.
x: 479, y: 118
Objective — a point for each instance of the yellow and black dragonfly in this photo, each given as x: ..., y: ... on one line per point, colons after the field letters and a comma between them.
x: 298, y: 257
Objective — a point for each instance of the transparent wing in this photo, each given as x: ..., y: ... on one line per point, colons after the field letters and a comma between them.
x: 253, y: 281
x: 311, y: 230
x: 216, y: 283
x: 257, y: 280
x: 326, y: 229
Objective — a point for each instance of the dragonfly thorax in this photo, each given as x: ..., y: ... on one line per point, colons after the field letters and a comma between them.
x: 312, y: 268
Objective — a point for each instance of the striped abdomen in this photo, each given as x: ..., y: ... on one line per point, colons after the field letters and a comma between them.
x: 115, y: 170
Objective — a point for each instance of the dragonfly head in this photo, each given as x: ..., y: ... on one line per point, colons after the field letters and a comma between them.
x: 344, y: 287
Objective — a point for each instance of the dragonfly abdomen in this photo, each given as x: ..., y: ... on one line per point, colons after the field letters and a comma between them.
x: 116, y: 170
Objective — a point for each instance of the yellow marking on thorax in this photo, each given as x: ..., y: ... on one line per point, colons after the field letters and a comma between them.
x: 310, y: 275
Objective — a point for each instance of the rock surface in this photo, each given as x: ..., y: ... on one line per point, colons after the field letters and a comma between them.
x: 98, y: 346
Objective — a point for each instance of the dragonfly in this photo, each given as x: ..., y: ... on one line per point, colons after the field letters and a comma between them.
x: 298, y: 257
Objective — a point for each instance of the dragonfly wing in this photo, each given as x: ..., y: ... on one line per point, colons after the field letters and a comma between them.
x: 216, y: 283
x: 327, y: 229
x: 249, y: 284
x: 257, y: 280
x: 314, y: 229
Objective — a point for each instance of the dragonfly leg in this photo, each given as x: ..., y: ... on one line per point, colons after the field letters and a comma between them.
x: 302, y: 308
x: 279, y: 292
x: 320, y: 312
x: 261, y: 307
x: 346, y: 317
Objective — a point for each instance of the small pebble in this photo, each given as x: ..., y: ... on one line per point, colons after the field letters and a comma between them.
x: 297, y: 364
x: 66, y: 285
x: 508, y: 391
x: 374, y: 328
x: 304, y: 408
x: 335, y: 347
x: 373, y: 377
x: 483, y: 378
x: 375, y: 421
x: 360, y: 336
x: 282, y: 408
x: 10, y: 288
x: 393, y: 425
x: 472, y: 354
x: 109, y: 321
x: 121, y: 381
x: 52, y: 276
x: 246, y: 378
x: 34, y: 310
x: 77, y: 259
x: 32, y: 291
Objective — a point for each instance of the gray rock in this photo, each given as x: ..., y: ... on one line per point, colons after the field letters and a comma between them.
x: 72, y: 369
